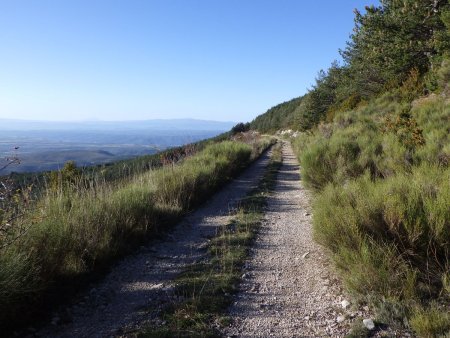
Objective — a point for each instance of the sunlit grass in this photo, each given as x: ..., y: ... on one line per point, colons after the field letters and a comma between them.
x: 382, y: 205
x: 80, y: 228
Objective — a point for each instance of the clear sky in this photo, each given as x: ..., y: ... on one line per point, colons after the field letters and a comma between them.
x: 226, y: 60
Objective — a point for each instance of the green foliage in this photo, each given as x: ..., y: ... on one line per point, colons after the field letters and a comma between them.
x: 80, y: 230
x: 240, y: 128
x: 398, y: 46
x: 393, y: 38
x: 389, y: 230
x: 432, y: 115
x: 382, y: 177
x: 66, y: 178
x: 431, y: 322
x: 444, y: 74
x: 404, y: 126
x: 276, y: 117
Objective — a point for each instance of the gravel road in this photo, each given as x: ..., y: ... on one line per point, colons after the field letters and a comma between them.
x: 288, y: 287
x: 139, y: 285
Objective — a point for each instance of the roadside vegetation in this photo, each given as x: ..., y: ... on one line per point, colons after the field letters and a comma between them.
x: 374, y: 146
x: 207, y: 288
x: 79, y: 225
x: 382, y: 208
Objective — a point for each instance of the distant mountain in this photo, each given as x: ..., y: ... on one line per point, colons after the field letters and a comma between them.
x: 157, y: 124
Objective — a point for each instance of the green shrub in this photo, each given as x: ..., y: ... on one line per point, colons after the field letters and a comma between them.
x: 387, y: 234
x: 432, y: 115
x: 433, y: 321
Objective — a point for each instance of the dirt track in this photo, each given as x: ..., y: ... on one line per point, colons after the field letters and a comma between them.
x: 121, y: 302
x: 287, y: 289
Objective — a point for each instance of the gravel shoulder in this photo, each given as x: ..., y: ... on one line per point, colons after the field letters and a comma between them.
x: 288, y: 287
x: 139, y: 286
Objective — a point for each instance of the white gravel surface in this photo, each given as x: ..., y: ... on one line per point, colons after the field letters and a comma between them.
x: 288, y: 288
x: 140, y: 285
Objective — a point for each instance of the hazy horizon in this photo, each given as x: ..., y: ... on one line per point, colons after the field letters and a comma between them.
x: 114, y: 120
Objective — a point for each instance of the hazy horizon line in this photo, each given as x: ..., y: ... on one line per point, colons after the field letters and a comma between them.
x: 117, y: 120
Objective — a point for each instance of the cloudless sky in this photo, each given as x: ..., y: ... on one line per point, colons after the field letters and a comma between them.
x: 226, y: 60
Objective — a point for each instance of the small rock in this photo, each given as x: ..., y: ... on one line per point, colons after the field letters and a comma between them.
x: 244, y: 275
x: 340, y: 319
x: 366, y: 308
x: 369, y: 324
x: 305, y: 255
x: 307, y: 214
x: 345, y: 303
x: 307, y: 318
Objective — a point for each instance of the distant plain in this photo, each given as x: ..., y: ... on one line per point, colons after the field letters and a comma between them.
x: 45, y: 146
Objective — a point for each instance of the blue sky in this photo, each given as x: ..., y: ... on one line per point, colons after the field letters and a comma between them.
x: 226, y: 60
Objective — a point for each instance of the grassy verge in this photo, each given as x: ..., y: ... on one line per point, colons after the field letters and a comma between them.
x: 79, y: 229
x: 381, y: 178
x: 206, y: 288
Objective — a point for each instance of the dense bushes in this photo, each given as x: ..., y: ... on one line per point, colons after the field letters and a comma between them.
x: 398, y: 228
x: 80, y: 228
x: 382, y: 177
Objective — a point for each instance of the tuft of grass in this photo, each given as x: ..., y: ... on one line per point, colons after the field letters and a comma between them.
x: 433, y: 321
x: 206, y: 288
x: 358, y: 330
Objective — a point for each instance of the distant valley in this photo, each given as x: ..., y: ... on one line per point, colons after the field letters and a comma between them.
x: 48, y: 145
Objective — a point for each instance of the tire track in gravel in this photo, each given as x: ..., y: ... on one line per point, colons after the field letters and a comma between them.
x: 139, y: 286
x: 288, y: 288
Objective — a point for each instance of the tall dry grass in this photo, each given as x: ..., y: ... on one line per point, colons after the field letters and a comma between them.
x: 80, y: 228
